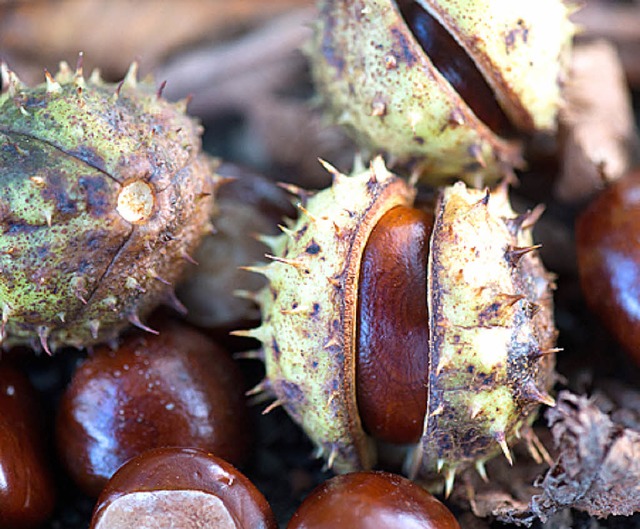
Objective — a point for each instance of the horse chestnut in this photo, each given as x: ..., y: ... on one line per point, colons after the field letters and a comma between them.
x: 608, y: 248
x: 105, y: 194
x: 371, y: 500
x: 27, y: 489
x: 181, y: 487
x: 443, y: 84
x: 175, y: 389
x: 456, y: 311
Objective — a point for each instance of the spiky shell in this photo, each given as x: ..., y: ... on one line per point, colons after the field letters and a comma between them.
x: 103, y: 193
x: 378, y: 81
x: 309, y: 309
x: 492, y: 331
x: 490, y: 312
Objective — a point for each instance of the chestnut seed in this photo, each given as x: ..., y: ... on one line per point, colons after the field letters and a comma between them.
x: 608, y: 249
x: 247, y: 203
x: 393, y: 345
x: 371, y: 500
x: 181, y: 487
x: 174, y: 389
x: 27, y: 491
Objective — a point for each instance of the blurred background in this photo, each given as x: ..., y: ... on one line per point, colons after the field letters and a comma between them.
x: 240, y: 63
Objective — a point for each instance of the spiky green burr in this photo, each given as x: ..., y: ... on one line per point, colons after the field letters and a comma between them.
x: 490, y: 318
x: 104, y: 192
x: 376, y: 79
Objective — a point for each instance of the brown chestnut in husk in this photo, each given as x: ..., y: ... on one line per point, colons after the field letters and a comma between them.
x: 370, y: 300
x: 391, y: 385
x: 442, y: 86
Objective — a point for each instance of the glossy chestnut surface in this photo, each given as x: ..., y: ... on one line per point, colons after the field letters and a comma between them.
x: 608, y: 248
x: 27, y: 491
x: 393, y: 330
x: 181, y: 487
x: 371, y: 500
x: 174, y: 389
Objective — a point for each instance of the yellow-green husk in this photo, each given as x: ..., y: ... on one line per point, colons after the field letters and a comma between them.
x: 104, y: 192
x: 491, y: 322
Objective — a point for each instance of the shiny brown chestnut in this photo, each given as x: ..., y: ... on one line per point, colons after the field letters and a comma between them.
x: 608, y: 248
x: 174, y: 389
x: 455, y: 65
x: 371, y: 500
x: 27, y: 490
x: 393, y: 346
x: 181, y: 487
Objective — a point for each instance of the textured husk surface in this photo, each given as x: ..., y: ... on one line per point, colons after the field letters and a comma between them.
x: 74, y: 270
x: 376, y: 79
x: 490, y: 321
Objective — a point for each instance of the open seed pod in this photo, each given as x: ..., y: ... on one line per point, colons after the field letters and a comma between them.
x: 105, y: 192
x: 437, y: 333
x: 446, y: 84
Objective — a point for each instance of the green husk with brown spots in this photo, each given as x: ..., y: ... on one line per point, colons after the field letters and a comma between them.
x: 104, y: 192
x: 490, y: 314
x: 376, y: 79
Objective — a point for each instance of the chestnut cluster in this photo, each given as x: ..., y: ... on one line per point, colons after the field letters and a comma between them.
x: 156, y: 427
x: 174, y: 389
x: 190, y: 488
x: 138, y: 428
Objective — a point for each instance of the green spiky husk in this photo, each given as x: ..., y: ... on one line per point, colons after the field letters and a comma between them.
x: 75, y: 271
x: 492, y: 331
x: 376, y: 80
x: 309, y: 309
x: 491, y: 315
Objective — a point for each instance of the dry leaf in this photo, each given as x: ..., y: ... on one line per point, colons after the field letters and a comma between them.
x: 597, y: 470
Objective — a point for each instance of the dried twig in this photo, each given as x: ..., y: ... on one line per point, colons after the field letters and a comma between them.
x: 34, y: 35
x: 262, y: 76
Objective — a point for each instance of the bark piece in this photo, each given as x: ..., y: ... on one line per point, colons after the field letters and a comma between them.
x: 618, y: 22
